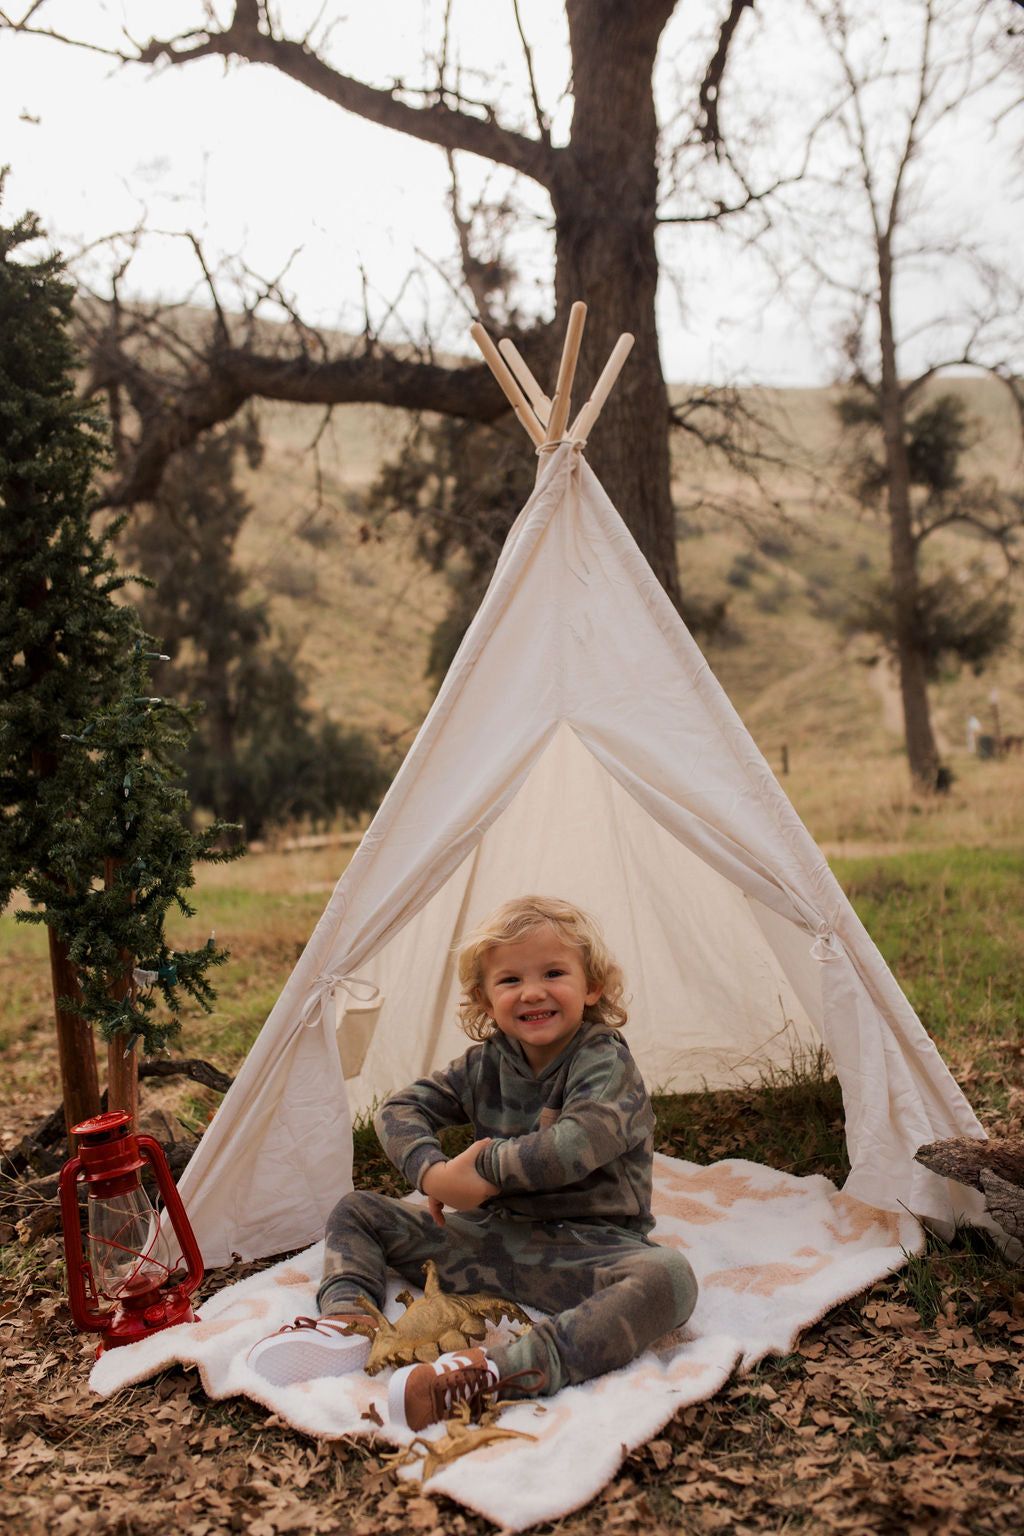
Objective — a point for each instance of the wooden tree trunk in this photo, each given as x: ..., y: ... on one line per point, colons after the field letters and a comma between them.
x: 605, y: 201
x: 122, y: 1064
x: 922, y: 753
x: 123, y: 1078
x: 76, y: 1046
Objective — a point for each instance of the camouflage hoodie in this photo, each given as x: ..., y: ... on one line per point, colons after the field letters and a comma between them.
x: 573, y: 1142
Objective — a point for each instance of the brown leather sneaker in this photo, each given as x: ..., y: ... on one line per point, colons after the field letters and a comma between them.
x: 419, y: 1395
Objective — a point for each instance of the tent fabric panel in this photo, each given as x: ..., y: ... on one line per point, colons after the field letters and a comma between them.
x: 420, y: 835
x: 417, y: 839
x: 416, y: 1026
x: 685, y: 936
x: 678, y: 732
x: 574, y: 631
x: 894, y: 1102
x: 272, y: 1177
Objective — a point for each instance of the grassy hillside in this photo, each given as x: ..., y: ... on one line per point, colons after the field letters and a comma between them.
x: 360, y: 609
x: 784, y: 553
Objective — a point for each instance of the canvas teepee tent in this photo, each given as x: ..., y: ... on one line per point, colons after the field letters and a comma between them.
x: 579, y: 747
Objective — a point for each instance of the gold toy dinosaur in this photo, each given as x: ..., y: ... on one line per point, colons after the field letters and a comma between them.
x: 433, y: 1323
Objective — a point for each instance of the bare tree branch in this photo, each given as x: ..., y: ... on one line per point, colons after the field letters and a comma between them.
x: 540, y: 117
x: 434, y: 123
x: 722, y: 210
x: 8, y: 24
x: 603, y: 186
x: 710, y: 126
x: 235, y: 374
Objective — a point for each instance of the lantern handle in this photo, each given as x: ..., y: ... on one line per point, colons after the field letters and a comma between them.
x: 82, y: 1294
x: 152, y: 1151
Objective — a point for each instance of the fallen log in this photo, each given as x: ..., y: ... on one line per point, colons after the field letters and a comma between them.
x: 43, y: 1149
x: 198, y: 1071
x: 1004, y: 1202
x: 994, y: 1166
x: 38, y: 1223
x: 29, y: 1172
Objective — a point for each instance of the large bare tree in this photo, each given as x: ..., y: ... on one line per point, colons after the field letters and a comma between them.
x: 603, y: 186
x: 913, y: 294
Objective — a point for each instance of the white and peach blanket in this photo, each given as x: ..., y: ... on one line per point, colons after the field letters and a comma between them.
x: 772, y: 1254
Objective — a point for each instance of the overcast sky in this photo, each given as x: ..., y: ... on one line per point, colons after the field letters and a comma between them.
x: 259, y: 166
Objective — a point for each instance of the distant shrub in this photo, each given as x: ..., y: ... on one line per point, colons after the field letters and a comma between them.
x: 742, y: 571
x: 829, y: 601
x: 317, y: 532
x: 961, y: 618
x: 289, y: 578
x: 708, y: 618
x: 686, y: 528
x: 361, y: 574
x: 774, y: 547
x: 770, y: 599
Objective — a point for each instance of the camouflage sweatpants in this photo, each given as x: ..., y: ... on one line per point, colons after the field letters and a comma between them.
x: 609, y: 1293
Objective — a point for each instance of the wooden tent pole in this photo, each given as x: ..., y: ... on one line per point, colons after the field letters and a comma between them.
x: 538, y: 399
x: 566, y: 372
x: 513, y: 393
x: 584, y: 422
x: 533, y: 408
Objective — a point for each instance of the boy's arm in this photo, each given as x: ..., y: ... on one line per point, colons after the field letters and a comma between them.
x: 605, y: 1113
x: 457, y: 1183
x: 408, y: 1121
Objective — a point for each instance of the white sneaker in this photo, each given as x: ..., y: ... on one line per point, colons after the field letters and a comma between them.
x: 308, y: 1348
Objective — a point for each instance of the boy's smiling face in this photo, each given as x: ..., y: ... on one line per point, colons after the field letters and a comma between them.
x: 536, y: 991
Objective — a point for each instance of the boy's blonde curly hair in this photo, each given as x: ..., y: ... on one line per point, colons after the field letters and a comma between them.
x: 510, y: 923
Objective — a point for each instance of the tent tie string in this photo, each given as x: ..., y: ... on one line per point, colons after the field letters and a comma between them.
x: 577, y: 444
x: 826, y: 946
x: 360, y: 988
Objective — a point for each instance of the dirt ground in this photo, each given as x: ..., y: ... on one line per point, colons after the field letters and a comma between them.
x: 899, y: 1413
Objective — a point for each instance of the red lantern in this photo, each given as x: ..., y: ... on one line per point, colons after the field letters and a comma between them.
x: 134, y: 1251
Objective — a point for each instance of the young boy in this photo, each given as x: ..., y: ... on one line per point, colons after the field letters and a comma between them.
x: 551, y: 1205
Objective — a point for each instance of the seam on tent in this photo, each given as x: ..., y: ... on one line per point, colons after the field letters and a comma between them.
x: 753, y: 765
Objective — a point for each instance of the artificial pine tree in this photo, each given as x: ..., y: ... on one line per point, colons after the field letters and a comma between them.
x: 131, y: 823
x: 71, y: 668
x: 63, y: 637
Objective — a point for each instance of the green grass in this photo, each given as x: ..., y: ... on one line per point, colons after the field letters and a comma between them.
x: 950, y: 924
x: 966, y: 1277
x: 791, y: 1119
x: 265, y: 933
x: 371, y: 1167
x: 24, y: 950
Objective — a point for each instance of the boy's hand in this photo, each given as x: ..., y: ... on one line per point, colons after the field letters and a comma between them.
x: 456, y: 1183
